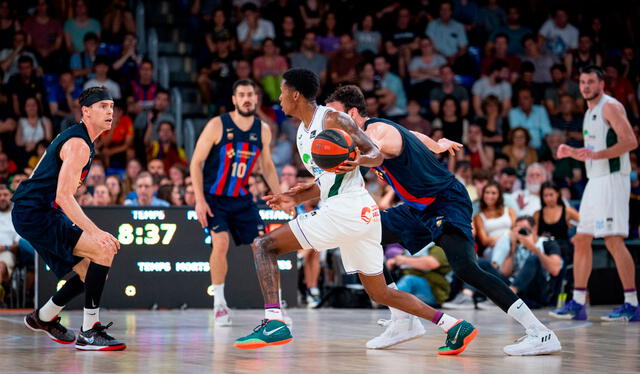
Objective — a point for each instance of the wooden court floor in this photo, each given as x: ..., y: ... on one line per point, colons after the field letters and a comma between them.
x: 325, y: 341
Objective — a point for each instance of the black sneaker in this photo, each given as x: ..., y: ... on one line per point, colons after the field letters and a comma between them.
x: 53, y: 328
x: 97, y: 339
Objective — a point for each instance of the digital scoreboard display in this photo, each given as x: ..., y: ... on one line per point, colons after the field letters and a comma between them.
x: 164, y: 262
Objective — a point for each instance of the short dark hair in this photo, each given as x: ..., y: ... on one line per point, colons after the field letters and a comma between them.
x: 304, y: 81
x: 163, y: 91
x: 101, y: 60
x: 597, y: 70
x: 146, y: 60
x: 167, y: 122
x: 527, y: 218
x: 243, y: 82
x: 351, y: 97
x: 509, y: 171
x: 501, y: 35
x: 528, y: 37
x: 560, y: 67
x: 527, y: 67
x: 91, y: 36
x: 249, y: 6
x: 101, y: 90
x: 24, y: 58
x: 497, y: 65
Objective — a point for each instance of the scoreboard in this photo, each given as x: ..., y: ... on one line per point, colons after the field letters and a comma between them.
x: 163, y: 262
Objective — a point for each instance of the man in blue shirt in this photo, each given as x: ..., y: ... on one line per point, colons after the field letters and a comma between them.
x: 448, y: 35
x: 146, y: 188
x: 392, y: 95
x: 532, y: 117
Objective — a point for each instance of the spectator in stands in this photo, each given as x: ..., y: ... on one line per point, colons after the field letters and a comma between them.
x: 101, y: 78
x: 102, y: 195
x: 583, y: 56
x: 328, y: 39
x: 414, y: 121
x: 494, y: 221
x: 127, y: 64
x: 500, y: 51
x: 464, y: 174
x: 219, y: 29
x: 81, y: 63
x: 114, y: 184
x: 542, y: 60
x: 216, y: 77
x: 146, y: 187
x: 528, y: 199
x: 134, y: 167
x: 8, y: 24
x: 448, y: 35
x: 514, y: 30
x: 366, y: 37
x: 61, y: 96
x: 165, y: 148
x: 532, y: 117
x: 41, y: 148
x: 177, y: 173
x: 268, y: 69
x: 7, y: 167
x: 561, y: 85
x: 288, y: 40
x: 115, y: 143
x: 448, y: 86
x: 525, y: 80
x: 554, y: 218
x: 156, y: 167
x: 309, y: 58
x: 311, y: 12
x: 424, y: 69
x: 288, y: 177
x: 559, y: 35
x: 76, y: 28
x: 372, y: 105
x: 9, y: 240
x: 257, y: 187
x: 424, y: 275
x: 630, y: 64
x: 189, y: 195
x: 9, y: 57
x: 148, y: 121
x: 492, y: 123
x: 253, y: 29
x: 32, y: 127
x: 45, y: 35
x: 506, y: 180
x: 117, y: 22
x: 368, y: 82
x: 497, y: 84
x: 492, y: 16
x: 479, y: 154
x: 621, y: 89
x: 144, y: 89
x: 96, y: 175
x: 177, y: 195
x: 568, y: 120
x: 343, y: 63
x: 393, y: 99
x: 25, y: 84
x: 454, y: 126
x: 520, y: 154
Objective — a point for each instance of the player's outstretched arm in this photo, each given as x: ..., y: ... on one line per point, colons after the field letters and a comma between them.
x: 266, y: 163
x: 209, y: 136
x: 440, y: 146
x: 369, y: 156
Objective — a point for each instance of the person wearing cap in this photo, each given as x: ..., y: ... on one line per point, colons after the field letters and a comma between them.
x: 46, y: 214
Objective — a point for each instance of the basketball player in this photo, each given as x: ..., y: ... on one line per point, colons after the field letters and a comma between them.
x: 349, y: 219
x: 438, y: 205
x: 46, y: 214
x: 229, y: 148
x: 604, y: 209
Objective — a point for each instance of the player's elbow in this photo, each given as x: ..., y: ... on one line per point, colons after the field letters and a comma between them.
x: 632, y: 143
x: 63, y: 199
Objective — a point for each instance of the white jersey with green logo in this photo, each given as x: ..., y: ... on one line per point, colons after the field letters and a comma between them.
x: 330, y: 184
x: 599, y: 135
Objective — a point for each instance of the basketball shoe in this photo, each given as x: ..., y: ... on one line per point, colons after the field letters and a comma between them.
x: 397, y: 331
x: 97, y: 339
x: 54, y: 329
x: 458, y: 338
x: 222, y: 315
x: 462, y: 301
x: 625, y: 313
x: 536, y: 342
x: 268, y: 332
x: 571, y: 310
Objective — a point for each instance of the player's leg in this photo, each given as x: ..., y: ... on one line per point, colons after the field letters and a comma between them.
x: 266, y: 249
x: 93, y: 334
x: 311, y: 268
x: 219, y: 267
x: 629, y: 311
x: 459, y: 332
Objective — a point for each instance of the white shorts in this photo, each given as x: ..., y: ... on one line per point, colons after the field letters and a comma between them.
x: 604, y: 208
x: 9, y: 259
x: 349, y: 222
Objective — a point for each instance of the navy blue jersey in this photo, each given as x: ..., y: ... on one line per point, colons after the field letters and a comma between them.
x: 415, y: 175
x: 39, y: 191
x: 230, y: 162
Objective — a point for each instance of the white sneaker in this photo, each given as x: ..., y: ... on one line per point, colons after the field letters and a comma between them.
x: 398, y: 331
x: 487, y: 305
x: 222, y: 315
x: 536, y: 342
x: 287, y: 320
x: 462, y: 301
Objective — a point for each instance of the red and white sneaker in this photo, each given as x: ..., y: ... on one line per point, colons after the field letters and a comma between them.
x: 222, y: 315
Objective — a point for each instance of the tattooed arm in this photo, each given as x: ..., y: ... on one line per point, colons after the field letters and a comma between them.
x: 367, y: 153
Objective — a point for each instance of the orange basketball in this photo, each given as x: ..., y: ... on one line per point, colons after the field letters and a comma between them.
x: 331, y: 148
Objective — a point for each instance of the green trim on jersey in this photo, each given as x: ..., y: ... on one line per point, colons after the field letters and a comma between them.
x: 333, y: 191
x: 612, y: 139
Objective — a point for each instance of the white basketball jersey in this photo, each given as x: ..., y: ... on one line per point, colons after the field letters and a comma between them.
x: 330, y: 184
x: 599, y: 135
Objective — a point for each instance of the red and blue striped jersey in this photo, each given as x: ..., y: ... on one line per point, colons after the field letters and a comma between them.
x: 231, y: 161
x: 415, y: 175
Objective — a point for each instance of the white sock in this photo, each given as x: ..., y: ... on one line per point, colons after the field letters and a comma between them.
x: 273, y: 313
x: 397, y: 314
x: 446, y: 322
x: 521, y: 313
x: 631, y: 297
x: 49, y: 311
x: 218, y: 295
x: 580, y: 296
x: 91, y: 316
x: 314, y: 291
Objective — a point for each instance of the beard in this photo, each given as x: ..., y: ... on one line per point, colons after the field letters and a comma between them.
x: 246, y: 113
x: 593, y: 96
x: 534, y: 188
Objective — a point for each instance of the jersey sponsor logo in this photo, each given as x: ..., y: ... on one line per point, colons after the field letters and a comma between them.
x: 313, y: 134
x: 253, y: 137
x: 369, y: 214
x: 599, y: 225
x: 594, y: 117
x: 231, y: 153
x: 306, y: 158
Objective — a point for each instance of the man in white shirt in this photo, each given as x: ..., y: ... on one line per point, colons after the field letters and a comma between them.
x: 560, y: 36
x: 101, y: 69
x: 8, y: 239
x: 528, y: 199
x: 253, y: 30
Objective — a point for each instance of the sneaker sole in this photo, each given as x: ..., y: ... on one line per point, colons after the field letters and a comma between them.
x: 403, y: 340
x: 541, y: 352
x: 94, y: 348
x: 46, y: 332
x: 223, y: 324
x: 617, y: 319
x: 465, y: 344
x: 565, y: 316
x: 261, y: 344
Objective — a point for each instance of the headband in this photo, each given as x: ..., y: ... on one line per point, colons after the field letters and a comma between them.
x: 95, y: 97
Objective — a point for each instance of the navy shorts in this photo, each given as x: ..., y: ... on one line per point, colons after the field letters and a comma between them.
x: 417, y: 228
x: 236, y: 215
x: 52, y: 235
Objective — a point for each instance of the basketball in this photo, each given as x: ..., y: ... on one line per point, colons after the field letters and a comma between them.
x: 331, y: 148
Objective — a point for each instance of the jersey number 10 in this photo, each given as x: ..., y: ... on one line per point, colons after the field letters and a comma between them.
x: 238, y: 169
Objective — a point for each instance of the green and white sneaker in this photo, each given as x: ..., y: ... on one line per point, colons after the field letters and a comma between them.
x: 268, y: 332
x: 458, y: 338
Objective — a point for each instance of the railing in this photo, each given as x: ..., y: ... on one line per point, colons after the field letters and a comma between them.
x: 176, y: 100
x: 141, y: 31
x: 189, y: 138
x: 152, y: 50
x: 163, y: 72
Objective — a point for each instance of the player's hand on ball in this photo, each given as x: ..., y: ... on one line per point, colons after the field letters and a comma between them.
x: 203, y: 211
x: 284, y: 202
x: 349, y: 165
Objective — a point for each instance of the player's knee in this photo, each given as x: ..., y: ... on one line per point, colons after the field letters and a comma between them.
x: 262, y: 244
x: 614, y: 243
x: 580, y: 241
x: 465, y: 268
x: 103, y: 258
x: 379, y: 295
